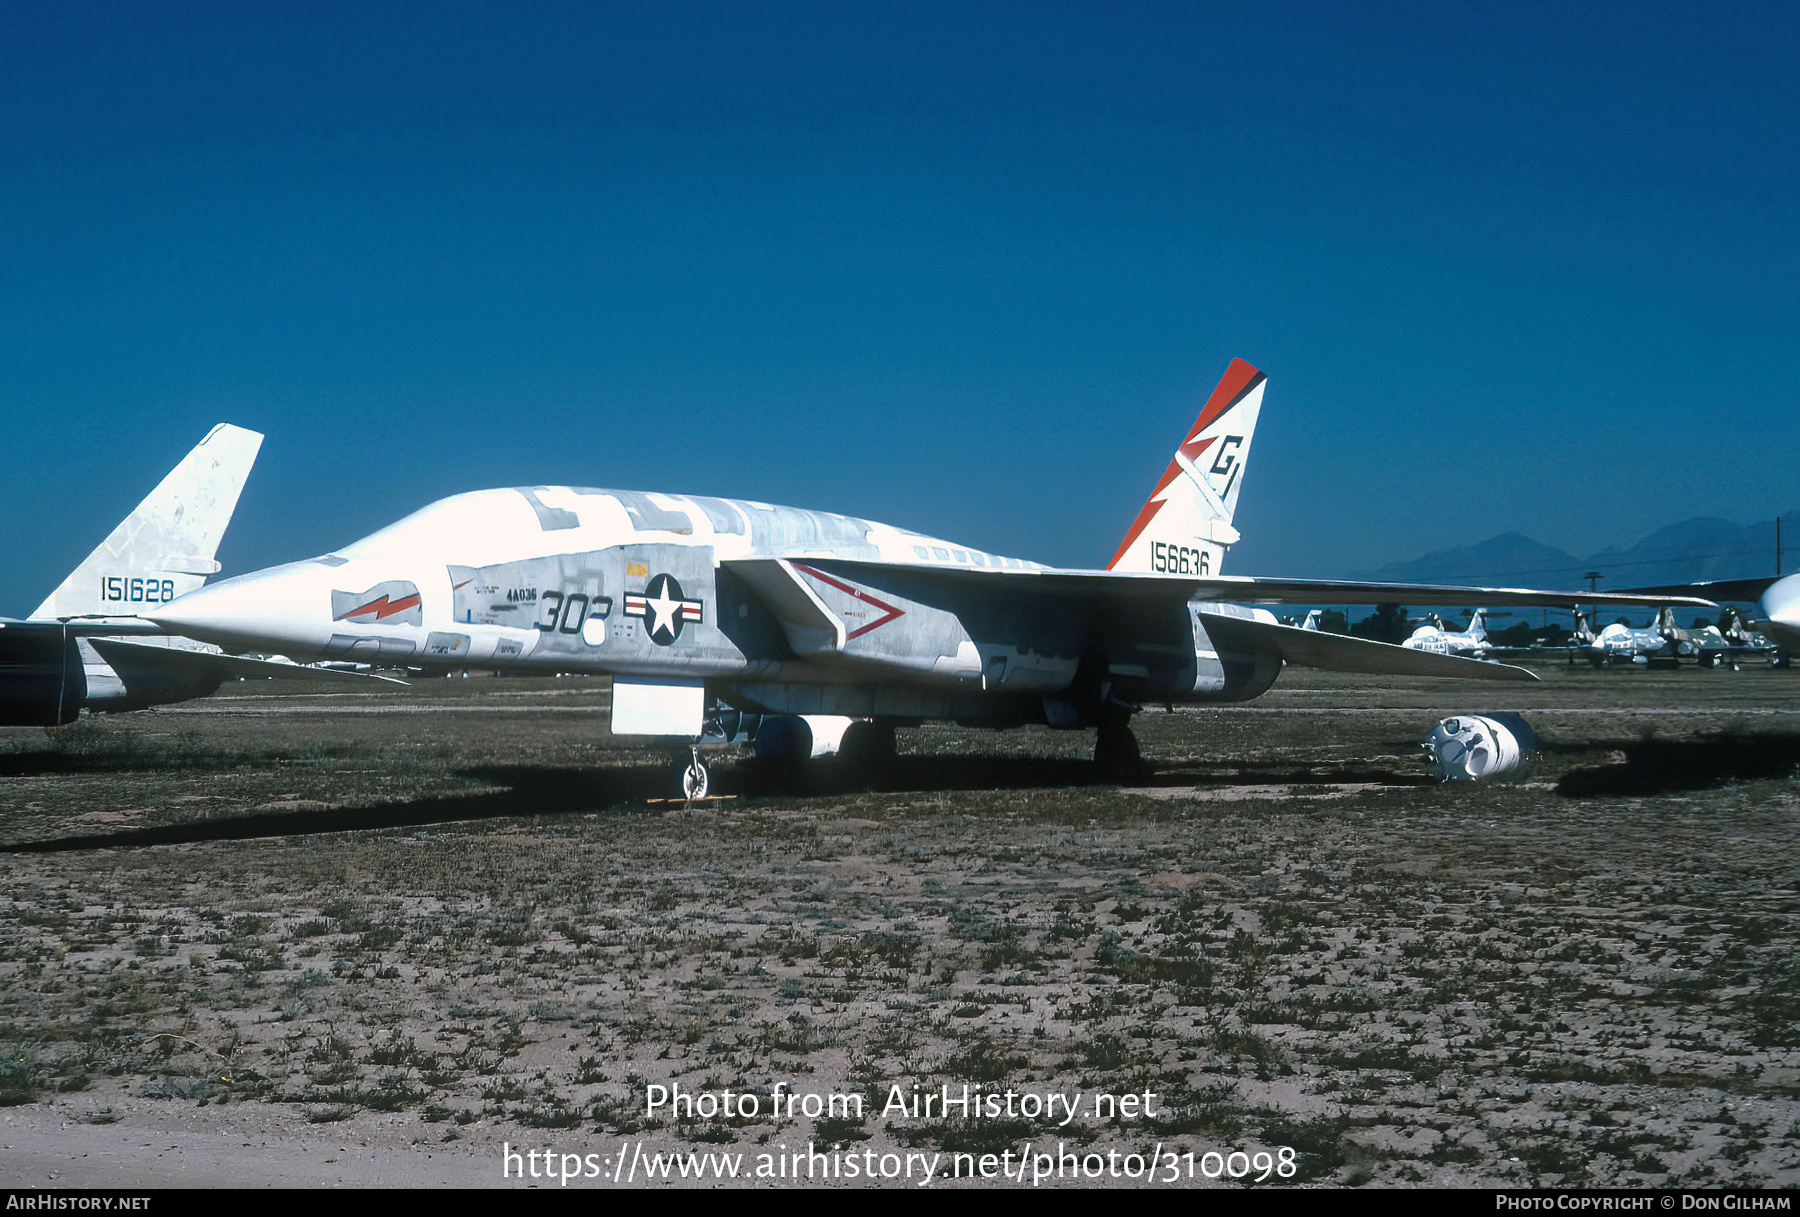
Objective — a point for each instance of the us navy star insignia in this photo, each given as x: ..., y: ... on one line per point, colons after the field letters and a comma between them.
x: 663, y: 609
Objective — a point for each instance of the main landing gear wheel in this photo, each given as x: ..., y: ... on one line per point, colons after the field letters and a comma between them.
x: 867, y: 751
x: 1116, y: 751
x: 695, y: 780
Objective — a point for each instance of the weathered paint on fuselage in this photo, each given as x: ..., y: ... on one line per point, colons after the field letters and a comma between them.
x: 490, y: 576
x: 654, y: 585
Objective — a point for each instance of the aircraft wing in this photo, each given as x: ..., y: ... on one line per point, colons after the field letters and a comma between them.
x: 88, y: 627
x: 1721, y: 591
x: 127, y: 658
x: 1342, y: 653
x: 1244, y: 589
x: 791, y: 588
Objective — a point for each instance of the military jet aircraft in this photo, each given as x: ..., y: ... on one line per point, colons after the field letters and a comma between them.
x: 1778, y: 612
x: 1661, y: 643
x: 1620, y: 642
x: 87, y: 647
x: 1777, y: 621
x: 1432, y: 636
x: 688, y: 601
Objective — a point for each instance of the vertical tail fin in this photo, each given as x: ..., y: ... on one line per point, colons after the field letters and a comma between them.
x: 1185, y: 527
x: 165, y: 548
x: 1583, y: 630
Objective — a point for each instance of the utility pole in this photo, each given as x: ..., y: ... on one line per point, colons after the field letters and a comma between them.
x: 1594, y: 576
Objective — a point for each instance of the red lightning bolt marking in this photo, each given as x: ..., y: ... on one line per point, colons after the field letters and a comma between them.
x: 382, y: 607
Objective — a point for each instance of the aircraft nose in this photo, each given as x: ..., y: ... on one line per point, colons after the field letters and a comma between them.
x: 1781, y: 606
x: 1782, y: 601
x: 273, y: 610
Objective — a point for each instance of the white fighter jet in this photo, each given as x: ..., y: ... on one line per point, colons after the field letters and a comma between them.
x: 836, y: 626
x: 1661, y: 643
x: 1432, y: 636
x: 1777, y: 619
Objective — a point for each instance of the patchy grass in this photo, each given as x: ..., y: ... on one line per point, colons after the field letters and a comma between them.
x: 1284, y: 935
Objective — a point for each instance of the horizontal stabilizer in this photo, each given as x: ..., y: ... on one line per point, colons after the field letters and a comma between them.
x: 1342, y: 653
x: 89, y: 627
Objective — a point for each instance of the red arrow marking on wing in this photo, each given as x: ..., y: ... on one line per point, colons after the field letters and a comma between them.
x: 891, y: 613
x: 382, y: 607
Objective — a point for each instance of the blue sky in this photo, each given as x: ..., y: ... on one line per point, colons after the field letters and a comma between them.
x: 966, y: 269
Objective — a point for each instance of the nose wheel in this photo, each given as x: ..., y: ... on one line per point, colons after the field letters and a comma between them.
x: 693, y: 776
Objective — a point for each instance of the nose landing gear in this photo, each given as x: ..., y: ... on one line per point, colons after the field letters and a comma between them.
x: 691, y: 773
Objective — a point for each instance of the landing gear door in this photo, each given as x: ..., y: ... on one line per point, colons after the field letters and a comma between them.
x: 646, y: 706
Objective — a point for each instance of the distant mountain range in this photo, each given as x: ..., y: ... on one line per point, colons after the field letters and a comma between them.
x: 1692, y: 551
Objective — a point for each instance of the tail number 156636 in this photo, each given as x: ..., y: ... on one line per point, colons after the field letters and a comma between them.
x: 1166, y: 559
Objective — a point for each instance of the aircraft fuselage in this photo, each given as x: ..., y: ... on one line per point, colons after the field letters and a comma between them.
x: 752, y: 599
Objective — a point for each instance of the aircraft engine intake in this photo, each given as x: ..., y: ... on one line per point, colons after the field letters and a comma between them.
x: 800, y: 737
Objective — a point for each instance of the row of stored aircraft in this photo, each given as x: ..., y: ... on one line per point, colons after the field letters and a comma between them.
x: 1659, y: 642
x: 838, y: 627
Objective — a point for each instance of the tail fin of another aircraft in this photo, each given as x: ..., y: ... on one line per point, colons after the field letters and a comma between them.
x: 165, y: 548
x: 1185, y: 527
x: 1478, y: 625
x: 1583, y: 630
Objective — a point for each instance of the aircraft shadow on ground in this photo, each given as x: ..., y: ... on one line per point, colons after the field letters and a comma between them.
x: 978, y: 774
x: 57, y: 764
x: 531, y: 791
x: 1658, y: 766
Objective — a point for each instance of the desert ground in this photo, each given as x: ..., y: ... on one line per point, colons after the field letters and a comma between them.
x: 363, y: 939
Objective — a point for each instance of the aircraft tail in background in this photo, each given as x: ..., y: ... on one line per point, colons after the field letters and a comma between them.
x: 165, y: 548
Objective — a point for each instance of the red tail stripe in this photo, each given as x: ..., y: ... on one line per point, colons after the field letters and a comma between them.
x: 1239, y: 379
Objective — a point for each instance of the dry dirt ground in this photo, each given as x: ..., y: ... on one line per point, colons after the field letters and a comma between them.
x: 370, y: 939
